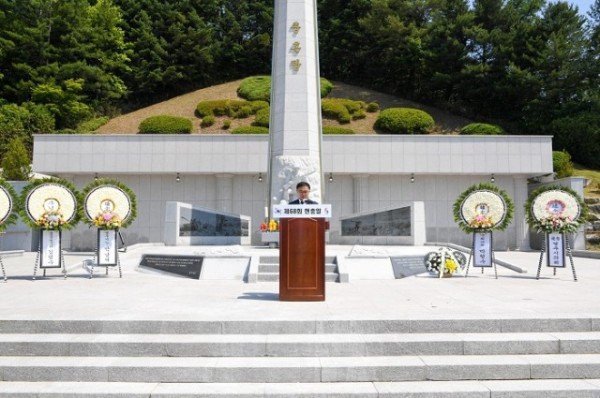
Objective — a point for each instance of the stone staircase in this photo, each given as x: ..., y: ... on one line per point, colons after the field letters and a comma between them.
x: 268, y: 269
x: 593, y: 230
x: 489, y: 358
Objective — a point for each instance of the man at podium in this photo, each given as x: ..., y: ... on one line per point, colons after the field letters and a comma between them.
x: 302, y: 247
x: 303, y: 191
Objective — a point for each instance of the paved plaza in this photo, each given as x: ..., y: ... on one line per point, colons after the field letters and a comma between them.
x: 151, y: 334
x: 142, y: 295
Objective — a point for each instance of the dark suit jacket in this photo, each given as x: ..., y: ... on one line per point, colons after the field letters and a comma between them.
x: 306, y: 202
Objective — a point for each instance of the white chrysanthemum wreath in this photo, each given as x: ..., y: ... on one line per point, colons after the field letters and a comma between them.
x: 555, y: 209
x: 483, y: 207
x: 50, y: 204
x: 109, y: 204
x: 8, y: 205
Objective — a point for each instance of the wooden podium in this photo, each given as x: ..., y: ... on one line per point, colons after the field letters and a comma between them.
x: 302, y: 257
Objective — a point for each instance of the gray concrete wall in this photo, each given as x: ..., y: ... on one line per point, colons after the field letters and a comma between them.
x: 369, y: 173
x: 374, y: 154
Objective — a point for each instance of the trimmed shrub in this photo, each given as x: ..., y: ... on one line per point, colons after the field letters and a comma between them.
x: 342, y: 109
x: 372, y: 107
x: 481, y: 129
x: 345, y: 119
x: 262, y: 118
x: 67, y: 131
x: 92, y: 124
x: 226, y: 124
x: 242, y: 112
x: 255, y: 88
x: 238, y: 109
x: 337, y: 130
x: 326, y: 87
x: 207, y: 121
x: 231, y: 107
x: 259, y: 88
x: 404, y: 121
x: 562, y: 164
x: 360, y: 114
x: 165, y: 124
x: 250, y: 130
x: 352, y: 106
x: 258, y: 105
x: 335, y: 109
x: 206, y: 108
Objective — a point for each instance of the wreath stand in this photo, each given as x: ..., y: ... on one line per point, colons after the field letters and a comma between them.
x: 557, y: 242
x: 2, y: 265
x: 3, y: 270
x: 482, y: 245
x: 46, y: 257
x: 107, y: 253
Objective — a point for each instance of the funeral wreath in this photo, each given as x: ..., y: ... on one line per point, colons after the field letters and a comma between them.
x: 555, y: 209
x: 50, y: 204
x: 483, y: 207
x: 109, y: 204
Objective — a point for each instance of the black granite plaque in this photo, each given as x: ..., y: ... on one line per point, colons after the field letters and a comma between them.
x: 395, y: 222
x: 408, y: 266
x: 198, y: 222
x: 189, y: 266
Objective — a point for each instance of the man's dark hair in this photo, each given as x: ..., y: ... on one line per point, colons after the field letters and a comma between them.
x: 302, y: 184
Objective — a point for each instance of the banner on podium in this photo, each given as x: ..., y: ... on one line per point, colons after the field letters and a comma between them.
x: 301, y: 211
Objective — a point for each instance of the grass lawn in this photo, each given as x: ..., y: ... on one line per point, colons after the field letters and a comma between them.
x: 593, y: 188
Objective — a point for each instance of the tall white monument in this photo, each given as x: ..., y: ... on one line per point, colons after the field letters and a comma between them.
x: 295, y: 124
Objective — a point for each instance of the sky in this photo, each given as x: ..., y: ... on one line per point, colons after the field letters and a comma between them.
x: 584, y: 5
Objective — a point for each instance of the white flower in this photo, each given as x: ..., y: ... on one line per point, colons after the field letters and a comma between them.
x: 55, y: 194
x: 6, y: 204
x: 107, y: 198
x: 553, y: 203
x: 483, y: 203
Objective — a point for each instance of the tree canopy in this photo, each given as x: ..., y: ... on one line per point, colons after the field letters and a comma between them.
x: 531, y: 66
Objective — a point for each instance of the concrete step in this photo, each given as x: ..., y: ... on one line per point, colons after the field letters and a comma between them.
x: 297, y: 345
x: 553, y: 388
x: 275, y: 259
x: 300, y: 370
x: 268, y: 277
x: 305, y: 326
x: 275, y: 268
x: 594, y: 208
x: 274, y: 277
x: 593, y: 238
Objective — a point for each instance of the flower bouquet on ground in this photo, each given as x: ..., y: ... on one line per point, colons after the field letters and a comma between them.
x: 445, y: 261
x: 269, y: 226
x: 270, y: 233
